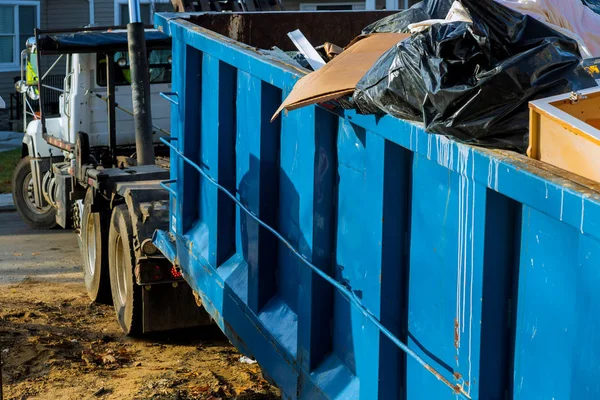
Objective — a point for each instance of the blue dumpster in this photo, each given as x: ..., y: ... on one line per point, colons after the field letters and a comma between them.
x: 360, y: 257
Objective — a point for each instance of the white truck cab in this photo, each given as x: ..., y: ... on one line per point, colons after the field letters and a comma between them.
x: 80, y: 168
x: 84, y: 108
x: 83, y: 105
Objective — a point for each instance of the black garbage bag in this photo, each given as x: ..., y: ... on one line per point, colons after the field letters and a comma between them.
x: 474, y: 81
x: 593, y: 4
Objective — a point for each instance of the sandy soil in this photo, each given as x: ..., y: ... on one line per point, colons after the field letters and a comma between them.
x: 56, y: 344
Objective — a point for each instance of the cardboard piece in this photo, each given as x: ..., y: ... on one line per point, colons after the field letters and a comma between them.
x: 332, y: 50
x: 340, y: 76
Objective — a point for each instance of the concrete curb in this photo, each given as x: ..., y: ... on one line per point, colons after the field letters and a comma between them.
x: 10, y: 140
x: 7, y: 135
x: 6, y: 203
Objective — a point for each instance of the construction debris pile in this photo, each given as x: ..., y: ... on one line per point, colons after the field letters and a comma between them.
x: 466, y: 69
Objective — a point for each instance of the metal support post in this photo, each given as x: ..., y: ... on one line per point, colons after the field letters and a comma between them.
x: 140, y: 86
x: 110, y: 103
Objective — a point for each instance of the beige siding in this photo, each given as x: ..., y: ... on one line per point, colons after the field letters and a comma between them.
x: 7, y: 85
x: 54, y: 14
x: 43, y: 14
x: 105, y: 12
x: 293, y: 5
x: 66, y: 14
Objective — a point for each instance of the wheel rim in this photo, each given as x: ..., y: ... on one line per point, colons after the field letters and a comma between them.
x: 91, y: 244
x: 28, y: 197
x: 121, y: 273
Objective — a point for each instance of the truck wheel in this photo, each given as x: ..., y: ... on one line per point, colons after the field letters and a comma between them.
x: 94, y: 251
x: 126, y: 294
x: 35, y: 217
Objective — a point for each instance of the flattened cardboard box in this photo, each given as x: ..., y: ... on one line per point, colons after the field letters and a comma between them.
x: 340, y: 76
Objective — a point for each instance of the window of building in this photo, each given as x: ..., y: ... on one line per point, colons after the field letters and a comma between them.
x: 17, y: 22
x: 331, y: 6
x: 147, y: 9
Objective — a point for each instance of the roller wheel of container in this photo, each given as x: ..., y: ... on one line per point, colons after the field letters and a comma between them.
x: 126, y: 294
x: 93, y: 242
x: 34, y: 216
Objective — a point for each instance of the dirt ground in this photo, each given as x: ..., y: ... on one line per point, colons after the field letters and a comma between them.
x: 55, y: 344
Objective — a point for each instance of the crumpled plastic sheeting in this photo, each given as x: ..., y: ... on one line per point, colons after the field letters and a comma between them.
x: 457, y: 13
x: 474, y: 81
x: 277, y: 54
x: 571, y: 18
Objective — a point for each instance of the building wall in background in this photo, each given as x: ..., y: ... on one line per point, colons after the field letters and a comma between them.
x: 59, y: 14
x: 54, y: 14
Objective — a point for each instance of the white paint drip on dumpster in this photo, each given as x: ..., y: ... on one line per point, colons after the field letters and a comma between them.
x: 463, y: 160
x: 466, y: 238
x: 497, y: 176
x: 429, y: 147
x: 472, y: 269
x: 490, y: 176
x: 414, y: 128
x: 445, y: 151
x: 459, y: 267
x: 582, y: 212
x: 493, y: 167
x: 464, y: 234
x: 562, y: 202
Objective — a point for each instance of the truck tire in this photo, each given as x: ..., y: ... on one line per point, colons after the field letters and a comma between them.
x: 126, y: 294
x: 94, y: 251
x: 35, y: 217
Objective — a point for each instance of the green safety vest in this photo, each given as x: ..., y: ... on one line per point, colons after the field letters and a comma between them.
x: 126, y: 72
x: 31, y: 76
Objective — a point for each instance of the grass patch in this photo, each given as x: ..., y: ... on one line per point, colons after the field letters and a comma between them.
x: 8, y: 162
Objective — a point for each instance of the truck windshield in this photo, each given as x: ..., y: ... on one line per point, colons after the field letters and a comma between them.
x: 159, y: 64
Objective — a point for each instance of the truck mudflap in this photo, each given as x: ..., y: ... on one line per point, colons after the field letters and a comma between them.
x: 171, y: 306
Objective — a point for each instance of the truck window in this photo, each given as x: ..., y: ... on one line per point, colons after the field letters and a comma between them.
x: 159, y: 63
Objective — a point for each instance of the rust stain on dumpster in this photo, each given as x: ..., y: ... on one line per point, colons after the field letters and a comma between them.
x: 456, y: 333
x: 455, y: 387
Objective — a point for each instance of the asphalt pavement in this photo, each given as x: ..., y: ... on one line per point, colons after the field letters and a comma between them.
x: 26, y: 253
x: 6, y: 202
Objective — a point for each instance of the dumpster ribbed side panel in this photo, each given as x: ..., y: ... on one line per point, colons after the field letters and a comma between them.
x: 483, y: 263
